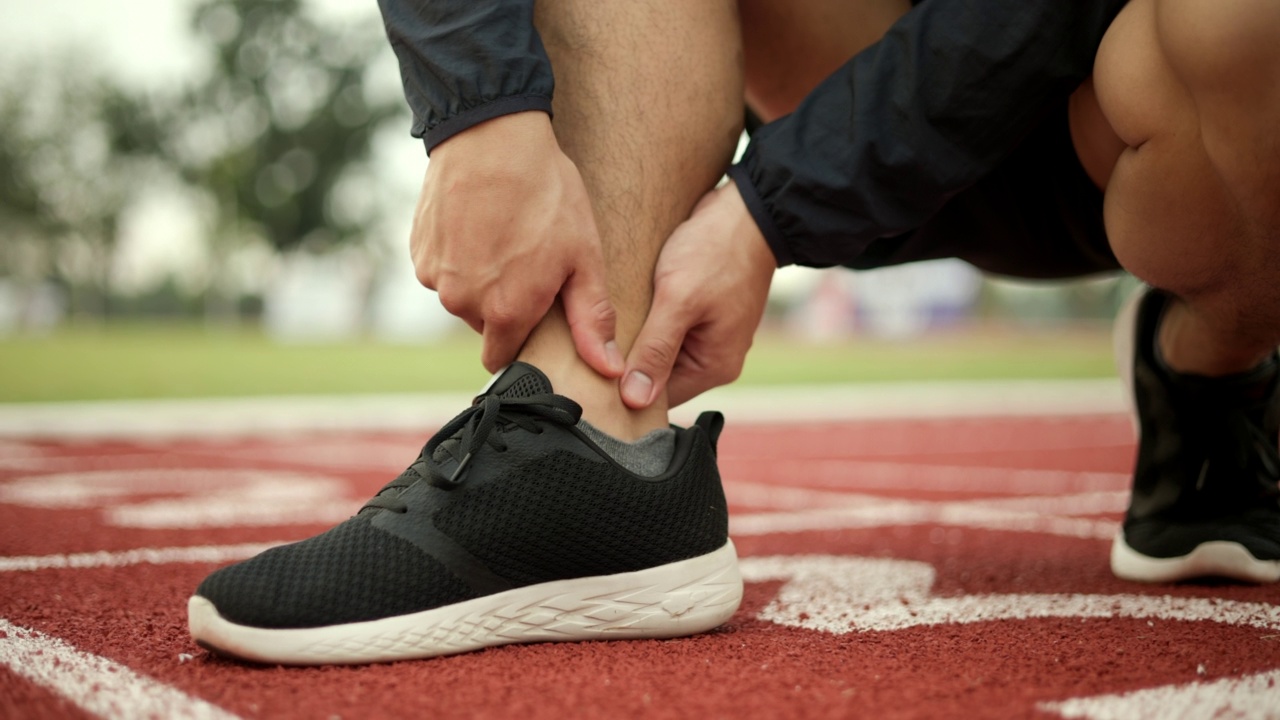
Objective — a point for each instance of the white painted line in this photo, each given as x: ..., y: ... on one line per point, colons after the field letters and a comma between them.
x: 97, y: 685
x: 841, y: 594
x: 942, y: 399
x: 206, y: 497
x: 139, y: 556
x: 53, y: 463
x: 916, y: 475
x: 783, y: 497
x: 228, y: 417
x: 424, y: 412
x: 19, y: 456
x: 972, y: 514
x: 1253, y: 697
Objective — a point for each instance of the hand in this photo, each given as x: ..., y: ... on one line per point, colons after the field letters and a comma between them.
x: 710, y: 287
x: 502, y: 227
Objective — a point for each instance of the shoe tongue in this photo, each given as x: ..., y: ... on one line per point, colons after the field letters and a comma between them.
x: 519, y: 380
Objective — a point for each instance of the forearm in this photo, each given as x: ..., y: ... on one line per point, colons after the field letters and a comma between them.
x: 883, y: 143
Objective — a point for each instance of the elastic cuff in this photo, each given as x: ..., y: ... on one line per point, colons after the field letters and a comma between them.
x: 468, y: 119
x: 755, y: 205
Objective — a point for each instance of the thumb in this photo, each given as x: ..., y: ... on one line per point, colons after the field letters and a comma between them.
x: 592, y: 319
x: 652, y: 356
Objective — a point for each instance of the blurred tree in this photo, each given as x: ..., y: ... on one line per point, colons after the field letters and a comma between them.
x: 74, y: 151
x: 277, y: 134
x: 279, y: 129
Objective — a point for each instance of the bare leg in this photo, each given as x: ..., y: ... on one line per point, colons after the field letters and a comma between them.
x: 648, y: 105
x: 1193, y: 198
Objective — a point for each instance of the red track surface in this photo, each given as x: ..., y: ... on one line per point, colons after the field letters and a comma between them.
x: 914, y: 557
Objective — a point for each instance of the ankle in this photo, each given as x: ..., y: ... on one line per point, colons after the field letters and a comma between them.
x: 550, y: 348
x: 599, y: 397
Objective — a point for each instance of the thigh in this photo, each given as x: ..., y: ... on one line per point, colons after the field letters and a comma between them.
x: 790, y: 46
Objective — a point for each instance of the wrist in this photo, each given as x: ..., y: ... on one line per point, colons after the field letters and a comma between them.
x: 503, y: 136
x: 747, y: 230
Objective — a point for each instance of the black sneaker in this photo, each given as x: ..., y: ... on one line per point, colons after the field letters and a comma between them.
x: 510, y: 527
x: 1206, y: 501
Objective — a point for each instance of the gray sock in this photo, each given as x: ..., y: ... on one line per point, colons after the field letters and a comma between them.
x: 648, y: 457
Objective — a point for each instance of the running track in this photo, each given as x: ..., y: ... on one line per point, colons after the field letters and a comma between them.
x: 932, y: 551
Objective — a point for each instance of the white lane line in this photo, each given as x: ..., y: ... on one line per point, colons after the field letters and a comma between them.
x: 960, y: 514
x: 1094, y: 503
x: 874, y: 475
x: 122, y: 461
x: 782, y: 497
x: 422, y: 412
x: 97, y: 685
x: 845, y: 594
x: 139, y: 556
x: 209, y: 497
x: 1253, y: 697
x: 331, y: 453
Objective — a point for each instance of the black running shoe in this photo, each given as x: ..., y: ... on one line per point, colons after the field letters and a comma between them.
x: 1206, y: 500
x: 510, y: 527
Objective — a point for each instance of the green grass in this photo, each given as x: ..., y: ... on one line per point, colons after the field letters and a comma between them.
x: 155, y: 361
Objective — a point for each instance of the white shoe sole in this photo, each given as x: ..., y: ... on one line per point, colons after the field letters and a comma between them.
x: 1218, y: 558
x: 673, y: 600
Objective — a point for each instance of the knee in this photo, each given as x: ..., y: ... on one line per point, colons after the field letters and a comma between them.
x: 1221, y: 47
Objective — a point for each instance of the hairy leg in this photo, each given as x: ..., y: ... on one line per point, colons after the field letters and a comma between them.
x: 648, y: 104
x: 792, y: 45
x: 1190, y: 161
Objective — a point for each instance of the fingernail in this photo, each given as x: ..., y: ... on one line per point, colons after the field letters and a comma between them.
x: 636, y: 387
x: 614, y: 356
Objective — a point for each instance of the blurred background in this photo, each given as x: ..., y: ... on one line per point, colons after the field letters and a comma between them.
x: 213, y: 197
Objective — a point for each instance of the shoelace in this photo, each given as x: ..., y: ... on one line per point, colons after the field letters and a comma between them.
x: 483, y: 422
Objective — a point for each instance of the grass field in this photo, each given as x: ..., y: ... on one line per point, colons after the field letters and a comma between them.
x: 155, y: 361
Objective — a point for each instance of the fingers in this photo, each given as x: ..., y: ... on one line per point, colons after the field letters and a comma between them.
x: 685, y: 386
x: 692, y: 377
x: 592, y: 319
x: 654, y: 354
x: 506, y: 325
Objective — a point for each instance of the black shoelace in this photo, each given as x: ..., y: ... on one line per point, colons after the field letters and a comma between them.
x: 461, y: 438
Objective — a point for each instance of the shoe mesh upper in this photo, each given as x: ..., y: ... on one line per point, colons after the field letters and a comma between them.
x: 527, y: 386
x: 562, y: 515
x: 353, y: 572
x: 541, y: 513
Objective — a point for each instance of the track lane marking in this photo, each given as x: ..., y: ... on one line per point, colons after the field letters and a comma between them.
x: 845, y: 594
x: 1252, y: 697
x: 969, y: 514
x: 137, y: 556
x: 897, y: 476
x: 205, y: 497
x: 99, y: 686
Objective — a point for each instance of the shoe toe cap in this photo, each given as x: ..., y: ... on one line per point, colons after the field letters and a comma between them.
x: 352, y: 573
